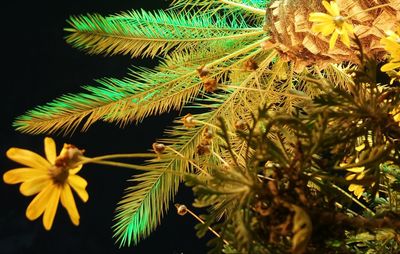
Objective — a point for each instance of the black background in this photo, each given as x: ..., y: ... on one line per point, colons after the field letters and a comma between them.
x: 38, y: 66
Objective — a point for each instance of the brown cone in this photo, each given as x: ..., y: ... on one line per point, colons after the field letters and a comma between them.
x: 291, y: 35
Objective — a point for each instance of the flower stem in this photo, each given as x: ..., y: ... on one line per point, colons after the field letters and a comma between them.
x: 209, y: 228
x: 220, y: 158
x: 122, y: 155
x: 190, y: 161
x: 261, y: 90
x: 212, y: 125
x: 206, y: 123
x: 137, y: 167
x: 352, y: 198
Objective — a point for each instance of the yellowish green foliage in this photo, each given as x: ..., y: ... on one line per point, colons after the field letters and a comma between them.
x: 222, y: 38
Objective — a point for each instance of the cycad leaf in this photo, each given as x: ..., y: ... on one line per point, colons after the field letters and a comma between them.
x: 141, y: 209
x: 214, y: 6
x: 144, y: 204
x: 147, y: 92
x: 69, y: 111
x: 141, y: 33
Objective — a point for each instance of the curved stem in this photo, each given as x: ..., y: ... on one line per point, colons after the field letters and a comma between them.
x: 137, y: 167
x: 220, y: 158
x: 206, y: 123
x: 213, y: 125
x: 352, y: 198
x: 209, y: 228
x: 122, y: 155
x: 236, y: 53
x: 190, y: 161
x: 265, y: 91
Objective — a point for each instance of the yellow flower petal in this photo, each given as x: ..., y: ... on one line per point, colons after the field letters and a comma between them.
x: 51, y: 208
x: 360, y: 176
x: 20, y: 175
x: 358, y: 190
x: 67, y: 200
x: 360, y: 147
x: 328, y: 29
x: 73, y: 171
x: 39, y: 203
x: 345, y: 39
x: 320, y: 17
x: 34, y: 185
x: 332, y: 8
x: 324, y: 29
x: 79, y: 184
x: 396, y: 117
x: 356, y: 169
x: 333, y: 39
x: 348, y: 28
x: 352, y: 187
x: 390, y: 66
x: 28, y: 158
x: 50, y: 149
x: 390, y: 45
x: 350, y: 177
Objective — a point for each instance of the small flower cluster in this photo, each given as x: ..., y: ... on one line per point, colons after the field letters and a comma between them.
x: 392, y: 45
x: 205, y: 145
x: 356, y: 173
x: 210, y: 84
x: 188, y: 121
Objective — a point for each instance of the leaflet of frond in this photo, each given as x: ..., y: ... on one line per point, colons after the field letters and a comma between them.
x: 143, y: 205
x: 186, y: 87
x: 103, y: 102
x: 248, y: 7
x: 149, y: 34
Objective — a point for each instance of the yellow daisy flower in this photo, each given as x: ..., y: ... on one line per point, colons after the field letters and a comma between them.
x: 51, y: 179
x: 392, y: 45
x: 396, y: 114
x: 358, y: 190
x: 331, y: 23
x: 359, y: 174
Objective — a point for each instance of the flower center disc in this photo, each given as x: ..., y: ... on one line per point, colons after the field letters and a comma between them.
x: 59, y: 174
x: 339, y: 20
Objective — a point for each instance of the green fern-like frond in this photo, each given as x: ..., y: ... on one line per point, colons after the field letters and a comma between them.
x: 143, y: 205
x: 115, y: 100
x: 70, y: 111
x: 137, y: 214
x: 253, y: 8
x: 339, y: 74
x: 148, y: 34
x: 147, y: 92
x: 189, y: 85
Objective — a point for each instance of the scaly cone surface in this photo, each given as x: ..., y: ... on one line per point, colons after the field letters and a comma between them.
x: 288, y: 22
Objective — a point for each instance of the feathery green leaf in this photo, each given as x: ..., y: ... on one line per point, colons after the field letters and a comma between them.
x: 147, y: 92
x: 143, y: 205
x: 141, y: 33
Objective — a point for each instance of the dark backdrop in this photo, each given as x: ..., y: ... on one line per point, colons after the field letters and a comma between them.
x: 39, y: 66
